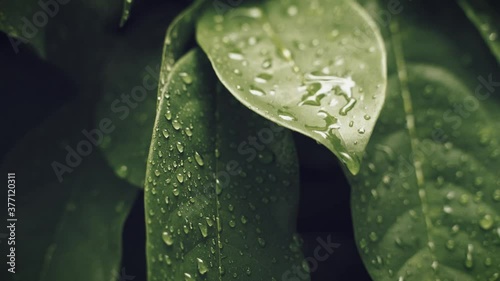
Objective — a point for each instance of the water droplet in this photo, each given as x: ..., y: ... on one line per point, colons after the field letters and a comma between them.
x: 202, y: 267
x: 486, y: 222
x: 236, y: 56
x: 176, y: 124
x: 168, y: 115
x: 180, y: 147
x: 267, y: 63
x: 346, y: 108
x: 361, y: 130
x: 292, y: 10
x: 167, y: 238
x: 261, y: 241
x: 263, y: 78
x: 287, y: 116
x: 122, y: 171
x: 256, y: 91
x: 468, y: 259
x: 198, y: 158
x: 188, y: 277
x: 203, y: 229
x: 186, y: 78
x: 165, y: 133
x: 244, y: 220
x: 180, y: 178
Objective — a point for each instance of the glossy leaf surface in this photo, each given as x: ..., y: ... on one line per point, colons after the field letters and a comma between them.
x: 222, y: 186
x: 311, y: 66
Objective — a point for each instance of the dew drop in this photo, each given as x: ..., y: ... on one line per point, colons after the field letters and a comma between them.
x: 168, y: 115
x: 203, y: 229
x: 202, y: 267
x: 287, y: 116
x: 167, y: 238
x: 165, y: 133
x: 486, y: 222
x: 180, y: 178
x: 263, y: 78
x: 198, y: 159
x: 122, y: 171
x: 180, y: 147
x: 256, y: 91
x: 261, y: 241
x: 186, y: 78
x: 267, y: 63
x: 176, y: 124
x: 236, y: 56
x: 292, y: 10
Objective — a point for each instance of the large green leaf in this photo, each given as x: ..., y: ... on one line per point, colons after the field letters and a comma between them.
x: 486, y: 20
x: 68, y: 228
x: 426, y: 203
x: 317, y: 67
x: 222, y: 186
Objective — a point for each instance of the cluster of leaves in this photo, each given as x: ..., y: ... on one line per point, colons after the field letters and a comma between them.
x: 408, y: 104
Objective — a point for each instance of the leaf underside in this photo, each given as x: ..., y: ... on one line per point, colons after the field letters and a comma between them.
x: 311, y: 66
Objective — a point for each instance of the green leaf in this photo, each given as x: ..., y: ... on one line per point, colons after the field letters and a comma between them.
x: 179, y: 34
x: 127, y: 6
x: 486, y: 20
x: 318, y: 68
x: 69, y: 25
x: 426, y: 201
x: 69, y: 229
x: 238, y: 226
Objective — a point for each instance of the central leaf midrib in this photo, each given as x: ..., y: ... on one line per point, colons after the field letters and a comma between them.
x: 402, y: 75
x: 217, y: 203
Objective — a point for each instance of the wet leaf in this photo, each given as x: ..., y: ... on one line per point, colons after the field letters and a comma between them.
x: 221, y: 188
x: 426, y: 201
x: 486, y: 20
x: 179, y: 34
x: 127, y: 7
x: 69, y: 229
x: 313, y: 67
